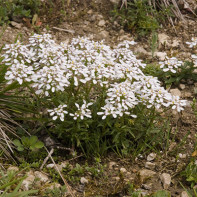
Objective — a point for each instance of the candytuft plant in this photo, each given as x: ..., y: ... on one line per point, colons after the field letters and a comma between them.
x: 96, y: 97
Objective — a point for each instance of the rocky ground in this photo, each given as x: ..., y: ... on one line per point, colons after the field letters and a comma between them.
x: 150, y: 172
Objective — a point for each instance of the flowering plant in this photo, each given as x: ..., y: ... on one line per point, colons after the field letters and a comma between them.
x: 86, y: 85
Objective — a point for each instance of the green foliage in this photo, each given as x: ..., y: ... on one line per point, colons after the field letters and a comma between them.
x: 185, y: 71
x: 31, y: 143
x: 17, y: 8
x: 140, y: 16
x: 190, y: 173
x: 10, y: 185
x: 57, y: 192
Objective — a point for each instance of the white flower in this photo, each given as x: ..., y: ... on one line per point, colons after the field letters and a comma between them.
x: 170, y: 64
x: 58, y: 112
x: 82, y: 111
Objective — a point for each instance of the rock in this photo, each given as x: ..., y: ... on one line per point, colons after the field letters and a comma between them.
x: 151, y: 156
x: 182, y: 156
x: 123, y: 170
x: 190, y: 82
x: 146, y: 174
x: 28, y: 181
x: 90, y: 12
x: 17, y: 25
x: 83, y: 180
x: 163, y: 39
x: 175, y: 92
x: 116, y: 178
x: 43, y: 178
x: 175, y: 43
x: 54, y: 185
x: 184, y: 194
x: 13, y: 168
x: 146, y: 186
x: 51, y: 165
x: 101, y: 23
x: 115, y: 2
x: 150, y: 165
x: 111, y: 164
x: 161, y: 55
x: 49, y: 141
x: 166, y: 180
x: 182, y: 86
x: 121, y: 32
x: 187, y: 94
x: 104, y: 34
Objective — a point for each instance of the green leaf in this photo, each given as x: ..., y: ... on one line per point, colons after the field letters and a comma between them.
x: 39, y: 144
x: 17, y: 142
x: 20, y: 148
x: 33, y: 140
x: 162, y: 193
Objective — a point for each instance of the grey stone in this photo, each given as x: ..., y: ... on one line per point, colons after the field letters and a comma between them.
x: 146, y: 174
x: 111, y: 164
x: 184, y: 194
x: 101, y: 23
x: 43, y: 178
x: 17, y: 25
x: 182, y: 86
x: 161, y: 55
x: 28, y: 181
x: 175, y: 92
x: 163, y: 39
x: 104, y: 34
x: 151, y: 156
x: 83, y: 180
x: 123, y: 170
x: 166, y: 180
x: 150, y: 165
x: 115, y: 2
x: 13, y: 168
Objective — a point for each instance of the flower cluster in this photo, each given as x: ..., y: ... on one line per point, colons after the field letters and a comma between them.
x: 170, y: 64
x: 86, y: 69
x: 192, y: 43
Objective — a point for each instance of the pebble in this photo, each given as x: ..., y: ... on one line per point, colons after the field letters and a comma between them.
x: 28, y: 181
x: 101, y: 23
x: 146, y: 174
x: 182, y: 86
x: 184, y: 194
x: 175, y: 92
x: 17, y: 25
x: 151, y: 156
x: 111, y: 164
x: 13, y: 168
x: 123, y: 170
x: 182, y: 156
x: 43, y: 178
x: 83, y: 180
x: 166, y: 180
x: 150, y: 165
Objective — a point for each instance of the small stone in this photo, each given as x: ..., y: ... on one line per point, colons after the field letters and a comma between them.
x: 83, y: 180
x: 13, y: 168
x: 166, y: 180
x: 182, y: 86
x: 175, y: 43
x: 187, y: 94
x: 150, y: 165
x: 146, y: 186
x: 54, y: 185
x: 175, y: 92
x: 101, y: 23
x: 51, y: 165
x: 28, y: 181
x: 146, y: 174
x: 111, y: 164
x: 123, y: 170
x: 161, y: 55
x: 115, y: 2
x: 116, y: 178
x: 17, y: 25
x: 151, y: 157
x: 195, y: 90
x: 43, y: 178
x: 140, y: 50
x: 163, y: 39
x: 184, y: 194
x: 104, y: 34
x: 121, y: 32
x: 190, y: 82
x: 90, y: 12
x: 172, y: 145
x: 182, y: 156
